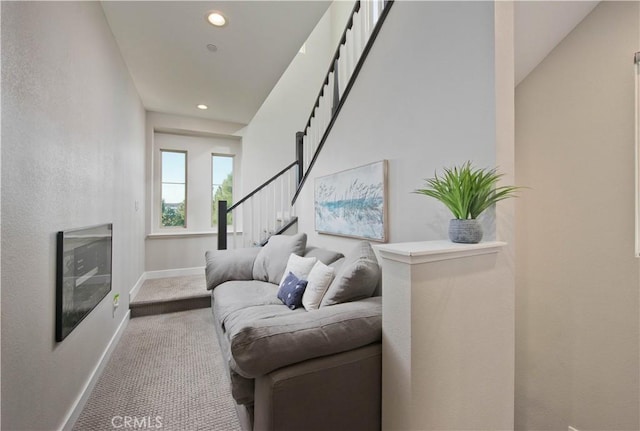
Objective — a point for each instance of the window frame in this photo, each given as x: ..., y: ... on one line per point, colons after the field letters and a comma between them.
x: 233, y: 181
x: 186, y: 189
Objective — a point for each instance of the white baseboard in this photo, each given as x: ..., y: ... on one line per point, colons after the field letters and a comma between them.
x: 82, y: 399
x: 179, y: 272
x: 136, y: 287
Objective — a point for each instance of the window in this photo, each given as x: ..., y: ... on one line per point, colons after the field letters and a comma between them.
x: 173, y: 188
x: 188, y: 171
x: 221, y: 185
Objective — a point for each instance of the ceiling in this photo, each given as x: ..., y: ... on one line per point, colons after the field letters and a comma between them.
x: 164, y: 44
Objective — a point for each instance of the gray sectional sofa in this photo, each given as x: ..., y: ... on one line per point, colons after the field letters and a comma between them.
x: 297, y: 369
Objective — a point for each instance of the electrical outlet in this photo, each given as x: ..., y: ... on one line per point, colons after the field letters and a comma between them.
x: 572, y: 428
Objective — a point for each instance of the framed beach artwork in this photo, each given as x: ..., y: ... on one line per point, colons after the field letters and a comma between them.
x: 353, y: 203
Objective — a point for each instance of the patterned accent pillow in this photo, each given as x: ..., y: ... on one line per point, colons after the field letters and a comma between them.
x: 291, y: 291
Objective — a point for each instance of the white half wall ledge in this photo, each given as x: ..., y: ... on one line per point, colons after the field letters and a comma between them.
x: 447, y: 337
x: 414, y: 253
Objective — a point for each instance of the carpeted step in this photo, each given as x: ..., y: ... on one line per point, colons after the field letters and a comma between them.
x: 169, y: 295
x: 149, y: 308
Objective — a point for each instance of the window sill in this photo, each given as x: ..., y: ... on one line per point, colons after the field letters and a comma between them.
x: 178, y: 234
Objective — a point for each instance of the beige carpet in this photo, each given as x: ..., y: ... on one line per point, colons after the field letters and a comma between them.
x: 166, y: 370
x: 171, y: 288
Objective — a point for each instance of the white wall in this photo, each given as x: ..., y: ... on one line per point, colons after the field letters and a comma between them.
x: 72, y: 156
x: 577, y: 284
x: 423, y: 100
x: 269, y: 139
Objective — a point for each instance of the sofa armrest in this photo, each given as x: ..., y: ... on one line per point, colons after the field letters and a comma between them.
x: 261, y: 346
x: 337, y: 392
x: 227, y: 265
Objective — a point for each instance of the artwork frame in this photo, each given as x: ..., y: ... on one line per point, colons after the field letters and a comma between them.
x: 353, y: 203
x: 83, y: 274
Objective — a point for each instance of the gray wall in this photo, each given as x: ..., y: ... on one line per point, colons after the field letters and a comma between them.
x: 269, y: 139
x: 72, y: 155
x: 424, y: 99
x: 577, y: 277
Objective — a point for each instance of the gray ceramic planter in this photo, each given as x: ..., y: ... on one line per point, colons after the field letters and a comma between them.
x: 465, y: 231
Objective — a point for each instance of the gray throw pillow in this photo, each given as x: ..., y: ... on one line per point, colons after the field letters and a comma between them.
x: 323, y: 255
x: 273, y: 257
x: 357, y: 277
x: 227, y: 265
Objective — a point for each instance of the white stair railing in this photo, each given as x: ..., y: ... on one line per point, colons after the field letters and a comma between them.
x: 357, y: 38
x: 269, y: 209
x: 264, y: 212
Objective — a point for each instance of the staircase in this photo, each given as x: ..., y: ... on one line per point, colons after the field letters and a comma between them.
x: 270, y: 208
x: 169, y: 295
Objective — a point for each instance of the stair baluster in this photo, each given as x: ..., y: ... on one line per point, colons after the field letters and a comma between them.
x: 271, y: 210
x: 357, y: 39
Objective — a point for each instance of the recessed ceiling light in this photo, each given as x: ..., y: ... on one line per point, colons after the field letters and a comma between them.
x: 216, y: 18
x: 203, y: 107
x: 211, y: 47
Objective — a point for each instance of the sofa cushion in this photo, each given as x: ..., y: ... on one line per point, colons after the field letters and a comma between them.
x: 237, y: 295
x: 291, y: 291
x: 241, y: 387
x: 225, y: 265
x: 248, y: 316
x: 272, y: 259
x: 299, y: 266
x: 357, y: 277
x: 319, y: 280
x: 322, y: 254
x: 261, y: 341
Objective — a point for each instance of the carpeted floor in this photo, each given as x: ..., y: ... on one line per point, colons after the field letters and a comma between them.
x: 170, y: 288
x: 167, y: 371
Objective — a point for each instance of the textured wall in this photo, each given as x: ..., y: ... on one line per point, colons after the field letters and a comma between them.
x: 269, y: 139
x: 577, y: 280
x: 423, y: 100
x: 72, y: 156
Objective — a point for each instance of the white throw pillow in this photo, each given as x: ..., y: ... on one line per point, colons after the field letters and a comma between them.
x: 320, y: 279
x: 299, y: 266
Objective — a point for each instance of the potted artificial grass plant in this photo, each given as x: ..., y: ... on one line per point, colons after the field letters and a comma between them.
x: 467, y: 192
